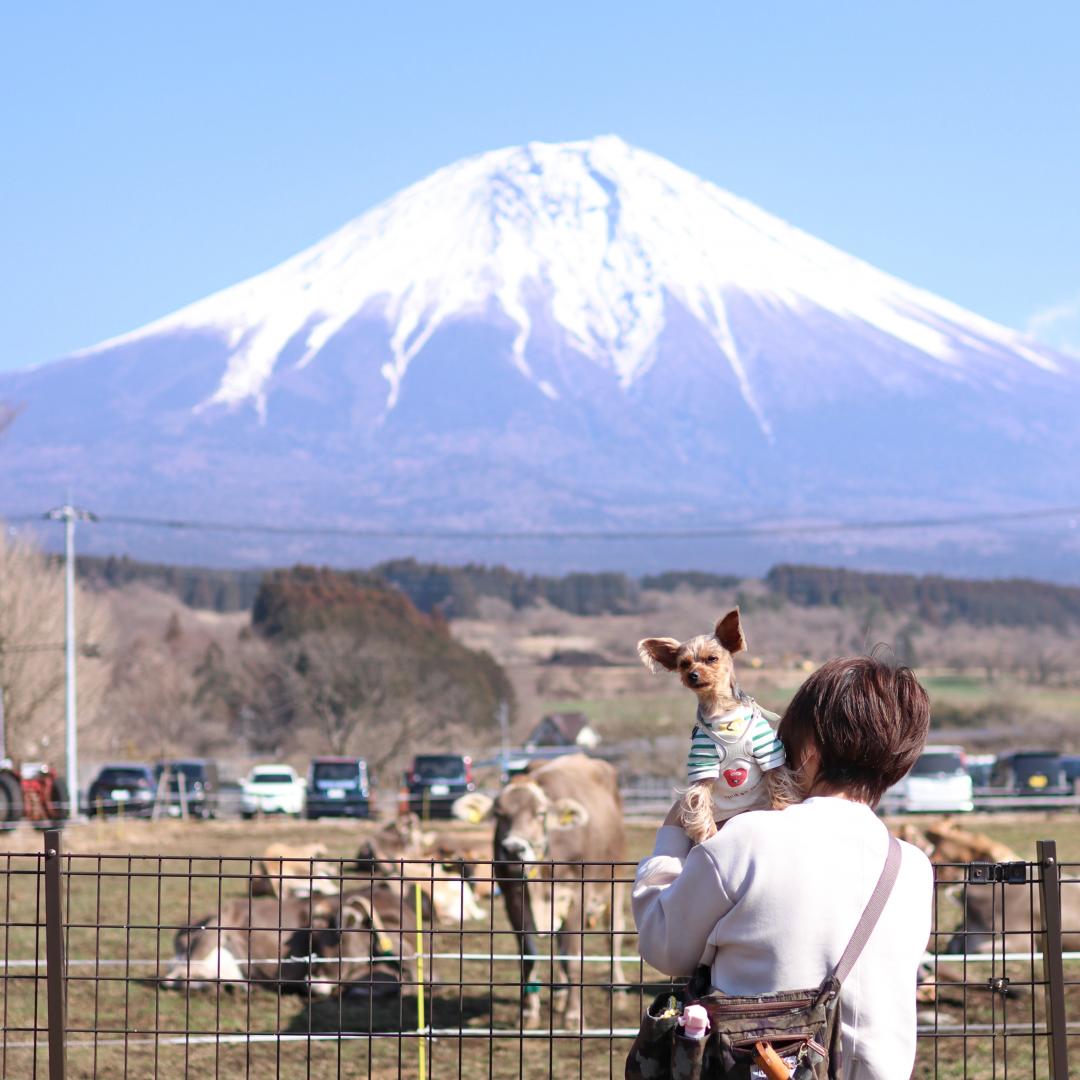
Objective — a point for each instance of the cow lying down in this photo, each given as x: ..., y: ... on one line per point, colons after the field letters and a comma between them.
x: 997, y: 917
x: 359, y: 943
x: 251, y: 941
x: 402, y: 851
x: 363, y: 943
x: 293, y: 870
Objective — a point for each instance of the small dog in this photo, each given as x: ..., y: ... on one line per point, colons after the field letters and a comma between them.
x: 736, y: 762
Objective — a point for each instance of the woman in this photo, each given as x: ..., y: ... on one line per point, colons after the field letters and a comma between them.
x: 773, y: 898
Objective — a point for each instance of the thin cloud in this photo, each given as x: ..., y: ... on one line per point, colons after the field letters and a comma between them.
x: 1058, y: 325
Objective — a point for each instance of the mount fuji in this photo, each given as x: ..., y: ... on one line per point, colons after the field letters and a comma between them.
x: 552, y: 337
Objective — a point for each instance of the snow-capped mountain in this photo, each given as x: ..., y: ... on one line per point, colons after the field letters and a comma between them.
x: 556, y: 335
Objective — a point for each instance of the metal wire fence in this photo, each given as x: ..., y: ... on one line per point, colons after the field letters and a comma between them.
x: 216, y: 966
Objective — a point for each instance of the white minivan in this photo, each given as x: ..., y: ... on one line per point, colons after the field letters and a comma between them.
x: 938, y: 783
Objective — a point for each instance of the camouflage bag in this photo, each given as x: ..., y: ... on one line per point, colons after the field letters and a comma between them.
x: 792, y: 1034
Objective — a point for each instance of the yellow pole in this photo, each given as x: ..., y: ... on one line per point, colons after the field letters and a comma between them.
x: 420, y: 979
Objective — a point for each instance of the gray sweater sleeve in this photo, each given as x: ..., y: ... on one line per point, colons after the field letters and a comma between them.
x: 678, y: 898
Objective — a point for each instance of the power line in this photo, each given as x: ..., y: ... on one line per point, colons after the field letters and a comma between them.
x: 726, y: 532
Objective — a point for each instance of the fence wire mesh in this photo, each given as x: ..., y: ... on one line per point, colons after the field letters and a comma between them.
x: 217, y: 966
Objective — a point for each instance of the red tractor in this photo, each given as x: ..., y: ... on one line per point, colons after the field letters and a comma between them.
x: 35, y: 792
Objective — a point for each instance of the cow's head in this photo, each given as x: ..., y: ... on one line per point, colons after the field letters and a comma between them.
x: 203, y: 958
x: 347, y: 939
x: 525, y: 818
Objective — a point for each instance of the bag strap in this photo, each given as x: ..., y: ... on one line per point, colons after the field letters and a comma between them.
x: 871, y: 913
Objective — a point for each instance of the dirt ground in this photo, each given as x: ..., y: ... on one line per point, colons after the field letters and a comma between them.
x: 132, y: 884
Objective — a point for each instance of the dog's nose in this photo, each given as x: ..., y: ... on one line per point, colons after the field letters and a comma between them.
x: 693, y: 676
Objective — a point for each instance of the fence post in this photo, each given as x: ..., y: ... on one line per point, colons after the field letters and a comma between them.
x: 54, y: 953
x: 1053, y: 967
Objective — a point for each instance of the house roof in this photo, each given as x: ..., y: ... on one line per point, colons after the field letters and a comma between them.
x: 568, y: 724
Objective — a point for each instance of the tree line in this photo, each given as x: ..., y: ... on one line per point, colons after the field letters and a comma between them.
x: 454, y: 592
x: 327, y: 662
x: 934, y: 599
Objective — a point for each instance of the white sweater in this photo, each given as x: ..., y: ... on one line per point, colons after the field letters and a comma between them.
x: 778, y: 894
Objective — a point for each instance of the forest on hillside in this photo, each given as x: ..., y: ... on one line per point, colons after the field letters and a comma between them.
x: 456, y: 592
x: 321, y: 662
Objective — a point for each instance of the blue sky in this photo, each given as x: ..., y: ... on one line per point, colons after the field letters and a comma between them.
x: 151, y: 154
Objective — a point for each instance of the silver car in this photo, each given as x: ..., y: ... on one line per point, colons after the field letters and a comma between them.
x: 938, y: 783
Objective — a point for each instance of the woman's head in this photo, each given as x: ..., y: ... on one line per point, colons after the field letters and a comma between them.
x: 862, y: 721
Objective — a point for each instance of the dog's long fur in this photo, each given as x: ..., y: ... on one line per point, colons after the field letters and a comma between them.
x: 706, y: 666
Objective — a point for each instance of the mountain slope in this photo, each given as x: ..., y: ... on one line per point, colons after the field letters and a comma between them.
x: 556, y: 335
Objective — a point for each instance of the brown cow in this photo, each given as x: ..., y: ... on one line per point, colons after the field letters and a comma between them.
x: 294, y: 870
x: 363, y: 942
x: 549, y: 822
x: 998, y: 917
x: 401, y: 849
x: 251, y: 941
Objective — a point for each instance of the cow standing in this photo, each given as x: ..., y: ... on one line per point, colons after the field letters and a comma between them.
x: 556, y: 825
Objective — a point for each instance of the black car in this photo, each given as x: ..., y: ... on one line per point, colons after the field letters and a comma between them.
x: 337, y: 787
x: 1071, y: 764
x: 436, y: 780
x: 122, y: 787
x: 199, y: 780
x: 1032, y: 772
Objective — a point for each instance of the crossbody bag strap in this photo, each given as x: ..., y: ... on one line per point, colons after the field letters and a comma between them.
x: 871, y: 913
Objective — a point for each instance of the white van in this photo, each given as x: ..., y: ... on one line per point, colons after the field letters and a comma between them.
x: 938, y: 783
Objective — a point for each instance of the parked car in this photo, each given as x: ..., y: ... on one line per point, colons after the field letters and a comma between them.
x: 436, y: 780
x: 338, y: 787
x: 1071, y: 764
x: 272, y: 789
x: 122, y: 787
x: 938, y: 782
x: 1032, y: 772
x: 199, y: 779
x: 980, y: 768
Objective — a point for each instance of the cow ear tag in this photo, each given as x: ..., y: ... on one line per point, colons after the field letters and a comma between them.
x: 474, y: 816
x: 567, y: 817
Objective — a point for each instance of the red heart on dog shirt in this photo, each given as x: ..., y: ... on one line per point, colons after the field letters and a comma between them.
x: 734, y: 777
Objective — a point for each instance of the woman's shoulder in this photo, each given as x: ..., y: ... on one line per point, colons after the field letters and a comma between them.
x: 755, y: 829
x: 915, y: 864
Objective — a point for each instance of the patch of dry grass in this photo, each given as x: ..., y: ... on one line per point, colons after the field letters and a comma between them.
x: 130, y: 888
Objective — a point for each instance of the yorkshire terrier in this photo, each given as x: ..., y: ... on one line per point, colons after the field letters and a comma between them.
x: 736, y: 762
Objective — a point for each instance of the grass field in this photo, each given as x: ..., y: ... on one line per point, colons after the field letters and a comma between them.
x: 130, y: 887
x: 670, y: 711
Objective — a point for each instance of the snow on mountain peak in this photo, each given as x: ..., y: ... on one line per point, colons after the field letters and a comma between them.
x: 599, y: 236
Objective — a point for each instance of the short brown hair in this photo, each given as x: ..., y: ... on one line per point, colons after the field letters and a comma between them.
x: 868, y: 720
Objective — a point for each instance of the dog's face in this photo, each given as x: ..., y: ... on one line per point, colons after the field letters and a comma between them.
x: 705, y: 663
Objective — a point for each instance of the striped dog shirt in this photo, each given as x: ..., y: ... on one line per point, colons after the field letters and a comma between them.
x: 735, y: 749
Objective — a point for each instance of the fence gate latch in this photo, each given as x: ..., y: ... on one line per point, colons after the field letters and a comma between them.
x: 1011, y: 873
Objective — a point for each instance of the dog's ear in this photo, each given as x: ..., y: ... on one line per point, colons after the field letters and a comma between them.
x: 729, y: 632
x: 658, y: 652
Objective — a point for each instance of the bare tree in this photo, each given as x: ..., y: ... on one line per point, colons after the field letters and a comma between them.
x: 31, y: 651
x: 252, y: 690
x: 151, y: 704
x: 348, y: 687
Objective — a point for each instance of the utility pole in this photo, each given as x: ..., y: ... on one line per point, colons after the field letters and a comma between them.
x: 504, y: 733
x: 69, y: 514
